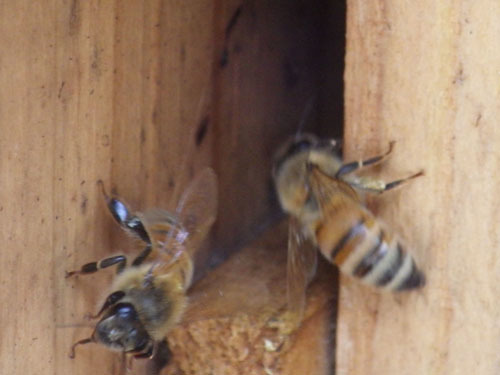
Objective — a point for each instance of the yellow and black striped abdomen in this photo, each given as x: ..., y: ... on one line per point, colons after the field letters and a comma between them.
x: 353, y: 239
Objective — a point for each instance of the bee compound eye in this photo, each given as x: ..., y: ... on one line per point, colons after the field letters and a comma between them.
x: 299, y: 146
x: 125, y: 311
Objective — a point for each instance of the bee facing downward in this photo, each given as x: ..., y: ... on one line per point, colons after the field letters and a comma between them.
x: 148, y: 297
x: 319, y: 193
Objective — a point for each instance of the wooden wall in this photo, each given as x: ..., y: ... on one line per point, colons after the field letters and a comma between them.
x: 425, y: 74
x: 275, y: 63
x: 122, y: 91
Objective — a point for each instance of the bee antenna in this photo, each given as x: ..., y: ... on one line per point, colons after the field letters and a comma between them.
x: 81, y: 342
x: 305, y: 115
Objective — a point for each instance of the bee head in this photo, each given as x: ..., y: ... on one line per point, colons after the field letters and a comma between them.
x: 303, y: 144
x: 289, y: 173
x: 292, y: 147
x: 290, y: 169
x: 121, y: 329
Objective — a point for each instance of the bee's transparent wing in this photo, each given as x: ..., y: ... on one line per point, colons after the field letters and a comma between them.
x: 197, y: 208
x: 184, y: 231
x: 160, y: 225
x: 176, y: 235
x: 301, y: 268
x: 323, y: 187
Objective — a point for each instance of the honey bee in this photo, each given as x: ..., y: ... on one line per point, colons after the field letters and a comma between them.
x: 318, y: 191
x: 148, y: 297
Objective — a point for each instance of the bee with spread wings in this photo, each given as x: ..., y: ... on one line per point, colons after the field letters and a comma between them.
x: 148, y: 297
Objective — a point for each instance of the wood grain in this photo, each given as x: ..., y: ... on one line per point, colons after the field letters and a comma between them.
x: 90, y: 90
x: 424, y: 75
x: 116, y: 90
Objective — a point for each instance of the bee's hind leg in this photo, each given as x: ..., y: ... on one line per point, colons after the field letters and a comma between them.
x: 119, y: 260
x: 373, y: 185
x: 161, y: 357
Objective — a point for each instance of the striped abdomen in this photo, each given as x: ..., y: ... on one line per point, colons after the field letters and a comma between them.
x: 360, y: 246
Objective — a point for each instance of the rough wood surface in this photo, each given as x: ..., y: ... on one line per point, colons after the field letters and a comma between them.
x: 89, y: 90
x: 115, y: 90
x: 425, y: 74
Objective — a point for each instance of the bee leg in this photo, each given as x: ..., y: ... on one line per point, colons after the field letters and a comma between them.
x: 161, y: 357
x: 142, y: 256
x: 121, y: 213
x: 127, y: 364
x: 379, y: 186
x: 148, y: 352
x: 81, y: 342
x: 351, y: 167
x: 119, y: 260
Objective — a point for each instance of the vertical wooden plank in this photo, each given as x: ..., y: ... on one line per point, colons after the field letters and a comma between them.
x: 107, y: 90
x: 86, y: 94
x: 27, y: 223
x: 163, y: 90
x: 160, y: 70
x: 425, y: 75
x: 82, y: 103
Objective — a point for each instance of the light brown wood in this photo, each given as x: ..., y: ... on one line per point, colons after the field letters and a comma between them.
x: 424, y: 74
x: 115, y: 90
x: 89, y: 90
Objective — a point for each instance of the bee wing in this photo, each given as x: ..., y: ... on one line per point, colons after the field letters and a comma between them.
x: 159, y: 225
x: 195, y: 214
x: 178, y: 237
x: 301, y: 268
x: 197, y: 209
x: 329, y: 191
